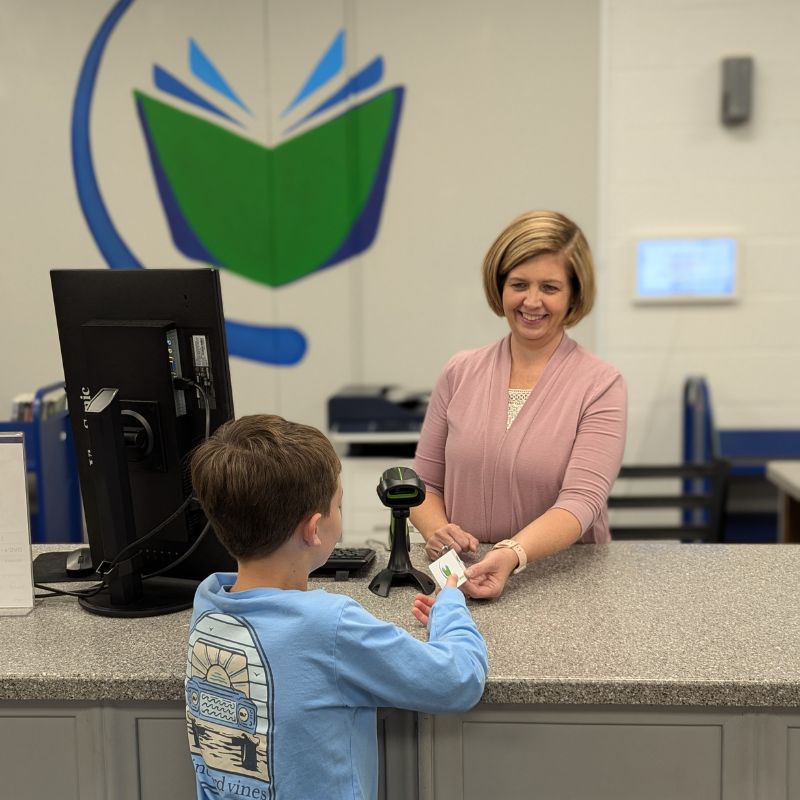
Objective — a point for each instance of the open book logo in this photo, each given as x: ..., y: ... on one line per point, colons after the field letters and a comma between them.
x: 274, y: 214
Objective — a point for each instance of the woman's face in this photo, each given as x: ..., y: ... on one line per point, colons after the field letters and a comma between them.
x: 536, y: 299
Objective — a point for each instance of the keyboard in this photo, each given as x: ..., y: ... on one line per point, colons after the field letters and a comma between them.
x: 346, y: 559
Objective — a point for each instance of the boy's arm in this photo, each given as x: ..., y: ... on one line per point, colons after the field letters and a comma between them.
x: 378, y: 664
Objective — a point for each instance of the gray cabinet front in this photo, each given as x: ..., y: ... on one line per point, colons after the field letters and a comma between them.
x: 590, y: 754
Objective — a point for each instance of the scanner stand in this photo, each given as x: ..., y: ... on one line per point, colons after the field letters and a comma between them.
x: 399, y: 570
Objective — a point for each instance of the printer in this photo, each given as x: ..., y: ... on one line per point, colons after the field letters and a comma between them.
x: 376, y: 409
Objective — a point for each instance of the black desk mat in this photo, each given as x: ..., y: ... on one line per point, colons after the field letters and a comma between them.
x: 52, y: 568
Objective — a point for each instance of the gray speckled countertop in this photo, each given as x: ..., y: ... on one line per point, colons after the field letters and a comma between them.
x: 627, y: 624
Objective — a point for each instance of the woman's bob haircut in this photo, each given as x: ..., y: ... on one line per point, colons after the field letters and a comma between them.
x: 534, y: 234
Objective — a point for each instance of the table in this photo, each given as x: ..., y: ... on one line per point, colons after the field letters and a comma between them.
x: 786, y: 476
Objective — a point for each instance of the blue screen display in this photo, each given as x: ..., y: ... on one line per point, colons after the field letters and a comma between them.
x: 686, y: 268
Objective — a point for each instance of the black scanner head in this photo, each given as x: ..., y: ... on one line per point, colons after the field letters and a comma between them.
x: 400, y: 487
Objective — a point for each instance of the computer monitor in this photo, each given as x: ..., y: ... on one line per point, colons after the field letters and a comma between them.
x: 147, y: 378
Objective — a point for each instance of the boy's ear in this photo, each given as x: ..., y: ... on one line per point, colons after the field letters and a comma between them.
x: 309, y: 530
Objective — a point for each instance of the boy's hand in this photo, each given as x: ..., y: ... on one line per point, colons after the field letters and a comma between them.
x: 423, y: 603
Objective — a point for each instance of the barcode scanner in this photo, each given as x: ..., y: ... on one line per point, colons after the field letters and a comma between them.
x: 400, y: 489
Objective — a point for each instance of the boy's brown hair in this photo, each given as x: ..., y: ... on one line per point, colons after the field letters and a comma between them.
x: 258, y: 477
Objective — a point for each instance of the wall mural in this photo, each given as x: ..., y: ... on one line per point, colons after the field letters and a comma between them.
x: 239, y: 205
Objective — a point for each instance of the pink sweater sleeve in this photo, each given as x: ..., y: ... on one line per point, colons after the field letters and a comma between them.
x: 596, y: 455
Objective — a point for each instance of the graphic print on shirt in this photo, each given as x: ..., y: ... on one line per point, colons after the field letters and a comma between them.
x: 229, y: 708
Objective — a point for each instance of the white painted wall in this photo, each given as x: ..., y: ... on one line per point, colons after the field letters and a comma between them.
x: 668, y: 165
x: 500, y: 117
x: 502, y: 114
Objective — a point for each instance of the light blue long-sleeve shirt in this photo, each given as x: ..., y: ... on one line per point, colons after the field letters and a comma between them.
x: 282, y: 687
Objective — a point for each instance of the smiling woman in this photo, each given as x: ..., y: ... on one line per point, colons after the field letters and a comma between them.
x: 523, y: 438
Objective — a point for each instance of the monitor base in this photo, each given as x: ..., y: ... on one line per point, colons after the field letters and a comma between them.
x: 159, y: 596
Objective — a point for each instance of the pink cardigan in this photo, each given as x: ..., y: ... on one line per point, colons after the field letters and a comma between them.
x: 563, y: 450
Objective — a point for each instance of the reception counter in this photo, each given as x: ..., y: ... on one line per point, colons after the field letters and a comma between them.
x: 623, y: 670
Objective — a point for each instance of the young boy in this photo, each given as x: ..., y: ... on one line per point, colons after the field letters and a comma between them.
x: 282, y: 683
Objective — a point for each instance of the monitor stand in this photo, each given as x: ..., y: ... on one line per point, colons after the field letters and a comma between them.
x: 127, y: 592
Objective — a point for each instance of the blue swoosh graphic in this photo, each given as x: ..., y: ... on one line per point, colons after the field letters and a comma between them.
x: 203, y: 69
x: 168, y: 83
x: 281, y: 346
x: 328, y: 67
x: 363, y: 80
x: 272, y: 345
x: 112, y: 247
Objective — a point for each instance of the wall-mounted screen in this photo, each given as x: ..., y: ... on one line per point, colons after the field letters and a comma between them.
x: 677, y: 269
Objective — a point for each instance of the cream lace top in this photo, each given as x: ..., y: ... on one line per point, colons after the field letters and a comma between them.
x: 516, y: 399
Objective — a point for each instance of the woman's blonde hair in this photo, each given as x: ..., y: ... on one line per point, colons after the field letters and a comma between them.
x: 534, y: 234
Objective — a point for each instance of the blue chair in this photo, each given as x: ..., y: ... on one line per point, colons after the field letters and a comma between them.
x: 53, y: 488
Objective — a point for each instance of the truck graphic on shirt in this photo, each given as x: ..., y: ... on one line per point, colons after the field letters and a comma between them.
x: 220, y: 704
x: 229, y: 715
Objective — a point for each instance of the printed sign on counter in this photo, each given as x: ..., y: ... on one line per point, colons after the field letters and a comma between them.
x: 16, y: 570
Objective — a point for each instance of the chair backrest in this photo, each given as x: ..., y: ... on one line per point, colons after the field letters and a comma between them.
x: 702, y: 491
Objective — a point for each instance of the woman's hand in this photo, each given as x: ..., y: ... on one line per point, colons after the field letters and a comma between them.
x: 450, y: 536
x: 423, y: 603
x: 488, y: 577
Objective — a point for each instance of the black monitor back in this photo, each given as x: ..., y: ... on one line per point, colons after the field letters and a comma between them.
x: 135, y: 330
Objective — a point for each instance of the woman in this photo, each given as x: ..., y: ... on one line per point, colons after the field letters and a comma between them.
x: 523, y: 438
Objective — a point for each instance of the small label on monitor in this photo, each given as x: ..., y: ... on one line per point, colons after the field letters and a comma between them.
x: 202, y: 371
x: 200, y: 351
x: 174, y: 353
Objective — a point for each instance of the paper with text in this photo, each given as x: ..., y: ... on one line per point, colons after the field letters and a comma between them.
x: 16, y: 570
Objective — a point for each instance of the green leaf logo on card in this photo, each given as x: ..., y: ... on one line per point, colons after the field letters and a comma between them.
x: 272, y: 214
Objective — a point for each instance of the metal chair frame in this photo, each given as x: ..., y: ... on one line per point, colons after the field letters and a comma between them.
x: 704, y: 489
